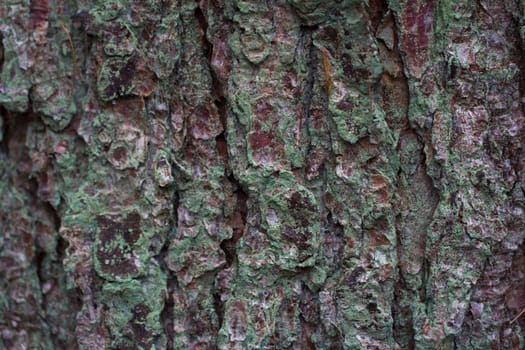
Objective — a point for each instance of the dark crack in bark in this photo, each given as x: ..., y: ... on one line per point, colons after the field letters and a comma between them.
x: 229, y: 245
x: 306, y: 43
x: 4, y: 131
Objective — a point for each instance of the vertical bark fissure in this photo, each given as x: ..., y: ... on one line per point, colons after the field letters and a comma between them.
x: 1, y: 53
x: 149, y: 133
x: 401, y: 285
x: 217, y: 94
x: 206, y: 45
x: 516, y: 292
x: 38, y: 234
x: 515, y: 295
x: 306, y: 40
x: 519, y: 165
x: 53, y: 261
x: 228, y: 246
x: 167, y: 313
x: 4, y: 131
x: 3, y: 112
x: 404, y: 322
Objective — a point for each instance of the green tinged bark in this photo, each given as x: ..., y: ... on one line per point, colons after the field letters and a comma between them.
x: 261, y: 174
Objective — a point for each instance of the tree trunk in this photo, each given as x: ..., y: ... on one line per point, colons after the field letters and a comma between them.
x: 281, y: 174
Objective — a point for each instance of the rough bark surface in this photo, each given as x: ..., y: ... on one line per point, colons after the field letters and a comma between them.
x: 280, y: 174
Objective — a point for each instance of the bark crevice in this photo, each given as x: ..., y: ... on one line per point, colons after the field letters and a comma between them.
x: 4, y: 131
x: 167, y: 314
x: 306, y: 41
x: 229, y: 246
x: 1, y: 53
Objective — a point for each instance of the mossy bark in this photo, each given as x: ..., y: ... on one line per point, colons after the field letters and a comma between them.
x: 282, y: 174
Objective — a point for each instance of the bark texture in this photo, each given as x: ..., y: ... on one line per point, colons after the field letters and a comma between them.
x: 280, y: 174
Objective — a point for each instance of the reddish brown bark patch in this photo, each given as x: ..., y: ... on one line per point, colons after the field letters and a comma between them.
x: 259, y: 140
x: 417, y: 22
x: 115, y: 248
x: 137, y: 326
x: 121, y: 78
x: 38, y: 13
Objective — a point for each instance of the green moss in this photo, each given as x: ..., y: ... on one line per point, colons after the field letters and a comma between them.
x: 134, y: 309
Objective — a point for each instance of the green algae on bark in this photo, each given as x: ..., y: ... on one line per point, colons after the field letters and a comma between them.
x: 261, y: 174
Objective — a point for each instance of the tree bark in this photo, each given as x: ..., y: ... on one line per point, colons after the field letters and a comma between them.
x: 281, y: 174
